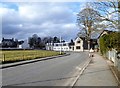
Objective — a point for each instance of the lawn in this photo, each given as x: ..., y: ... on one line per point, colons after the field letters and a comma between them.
x: 20, y: 55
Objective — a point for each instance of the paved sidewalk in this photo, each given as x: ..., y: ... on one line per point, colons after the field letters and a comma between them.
x: 97, y: 73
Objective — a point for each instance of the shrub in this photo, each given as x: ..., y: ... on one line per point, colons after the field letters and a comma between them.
x: 110, y: 41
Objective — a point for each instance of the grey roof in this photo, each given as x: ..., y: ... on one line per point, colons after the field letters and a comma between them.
x: 96, y: 34
x: 8, y: 40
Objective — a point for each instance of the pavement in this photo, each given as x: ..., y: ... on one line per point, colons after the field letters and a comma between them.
x: 98, y: 73
x: 114, y: 71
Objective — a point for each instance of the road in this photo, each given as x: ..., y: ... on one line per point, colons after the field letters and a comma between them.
x: 54, y: 72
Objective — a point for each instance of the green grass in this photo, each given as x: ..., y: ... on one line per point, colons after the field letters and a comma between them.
x: 20, y: 55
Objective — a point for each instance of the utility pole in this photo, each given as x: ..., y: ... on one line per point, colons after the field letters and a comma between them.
x: 60, y: 45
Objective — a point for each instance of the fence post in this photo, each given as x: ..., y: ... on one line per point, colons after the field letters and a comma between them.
x: 115, y: 58
x: 3, y: 57
x: 36, y: 54
x: 118, y: 64
x: 109, y: 54
x: 23, y: 56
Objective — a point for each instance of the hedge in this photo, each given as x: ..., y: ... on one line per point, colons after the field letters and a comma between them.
x: 110, y: 41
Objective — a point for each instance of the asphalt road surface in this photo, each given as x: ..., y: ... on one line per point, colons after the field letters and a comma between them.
x: 54, y: 72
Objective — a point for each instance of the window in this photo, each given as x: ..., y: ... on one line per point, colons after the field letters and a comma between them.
x: 77, y: 47
x: 64, y: 44
x: 60, y: 45
x: 56, y: 44
x: 73, y: 48
x: 78, y: 41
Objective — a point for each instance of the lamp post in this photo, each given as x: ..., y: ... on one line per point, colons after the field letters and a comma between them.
x: 60, y: 45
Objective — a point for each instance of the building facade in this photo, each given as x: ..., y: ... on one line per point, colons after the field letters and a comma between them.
x: 10, y: 43
x: 24, y: 45
x: 78, y: 45
x: 61, y: 46
x: 49, y: 46
x: 64, y: 46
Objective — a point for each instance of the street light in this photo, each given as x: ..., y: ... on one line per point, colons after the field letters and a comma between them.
x: 60, y: 45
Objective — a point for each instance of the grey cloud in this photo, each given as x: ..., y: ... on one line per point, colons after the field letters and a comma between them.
x: 46, y: 22
x: 7, y: 29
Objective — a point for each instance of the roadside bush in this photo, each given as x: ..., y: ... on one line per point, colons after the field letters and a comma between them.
x: 110, y: 41
x: 103, y: 44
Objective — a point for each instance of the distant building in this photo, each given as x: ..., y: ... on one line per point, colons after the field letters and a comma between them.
x: 95, y: 36
x: 64, y: 46
x: 71, y: 46
x: 49, y: 46
x: 24, y: 45
x: 78, y: 45
x: 10, y: 43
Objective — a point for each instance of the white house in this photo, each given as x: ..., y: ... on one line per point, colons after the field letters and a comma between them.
x: 49, y: 46
x: 71, y: 47
x: 78, y: 46
x: 64, y: 46
x: 58, y: 46
x: 25, y: 45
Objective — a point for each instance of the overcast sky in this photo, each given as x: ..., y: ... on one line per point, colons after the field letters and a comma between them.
x: 22, y: 20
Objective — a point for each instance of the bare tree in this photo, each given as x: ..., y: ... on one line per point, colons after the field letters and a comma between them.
x: 110, y: 11
x: 86, y: 20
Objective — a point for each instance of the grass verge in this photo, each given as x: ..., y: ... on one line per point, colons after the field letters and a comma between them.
x: 21, y: 55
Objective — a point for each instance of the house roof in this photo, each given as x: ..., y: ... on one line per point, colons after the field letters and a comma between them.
x: 79, y: 37
x: 97, y: 34
x: 11, y: 40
